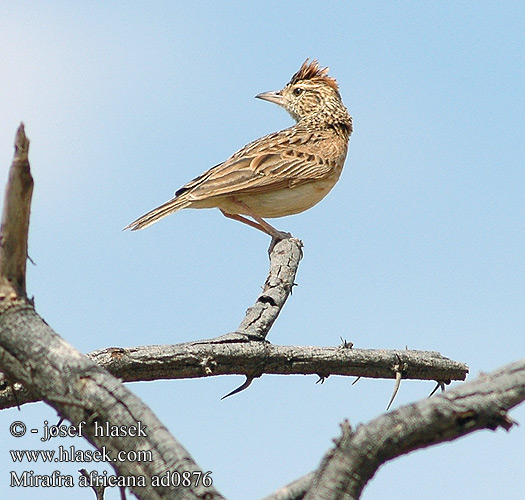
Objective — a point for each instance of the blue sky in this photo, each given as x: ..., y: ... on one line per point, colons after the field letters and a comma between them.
x: 420, y: 244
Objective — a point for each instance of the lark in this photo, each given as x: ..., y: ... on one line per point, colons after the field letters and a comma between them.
x: 280, y: 174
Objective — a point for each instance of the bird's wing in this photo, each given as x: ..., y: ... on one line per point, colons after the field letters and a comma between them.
x: 257, y: 168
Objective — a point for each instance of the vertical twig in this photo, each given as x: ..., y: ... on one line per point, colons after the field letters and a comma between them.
x: 15, y: 221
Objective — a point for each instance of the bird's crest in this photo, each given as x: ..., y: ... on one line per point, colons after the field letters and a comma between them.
x: 312, y: 71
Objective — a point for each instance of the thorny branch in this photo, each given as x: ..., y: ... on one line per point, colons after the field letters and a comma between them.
x: 255, y: 358
x: 246, y: 351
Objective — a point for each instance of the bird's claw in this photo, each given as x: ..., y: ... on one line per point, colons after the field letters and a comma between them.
x: 276, y: 238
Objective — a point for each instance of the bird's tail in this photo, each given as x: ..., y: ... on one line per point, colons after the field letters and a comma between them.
x: 158, y: 213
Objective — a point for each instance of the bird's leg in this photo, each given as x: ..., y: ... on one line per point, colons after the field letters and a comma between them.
x: 275, y: 239
x: 244, y: 220
x: 259, y: 223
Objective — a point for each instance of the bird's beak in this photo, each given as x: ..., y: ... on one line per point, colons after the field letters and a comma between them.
x: 273, y: 96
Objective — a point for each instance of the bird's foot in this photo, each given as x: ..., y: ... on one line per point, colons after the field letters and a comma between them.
x: 276, y: 238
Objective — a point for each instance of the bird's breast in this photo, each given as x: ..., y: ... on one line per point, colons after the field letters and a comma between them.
x: 287, y: 201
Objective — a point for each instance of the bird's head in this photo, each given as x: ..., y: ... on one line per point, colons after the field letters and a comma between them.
x: 310, y: 92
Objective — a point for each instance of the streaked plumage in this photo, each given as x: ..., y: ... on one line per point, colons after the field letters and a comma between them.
x: 280, y: 174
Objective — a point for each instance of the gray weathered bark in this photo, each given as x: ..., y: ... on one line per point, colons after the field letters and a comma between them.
x: 81, y: 391
x: 357, y: 455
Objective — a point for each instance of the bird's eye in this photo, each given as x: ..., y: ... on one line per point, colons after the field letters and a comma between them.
x: 297, y: 91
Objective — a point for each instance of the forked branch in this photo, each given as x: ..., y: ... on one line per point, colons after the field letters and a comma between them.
x: 246, y: 351
x: 32, y: 354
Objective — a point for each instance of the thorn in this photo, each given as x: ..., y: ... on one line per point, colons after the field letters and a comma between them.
x: 245, y: 385
x: 322, y: 378
x: 399, y: 368
x: 438, y: 385
x: 506, y: 422
x: 356, y: 380
x: 396, y: 388
x: 345, y: 344
x: 15, y: 396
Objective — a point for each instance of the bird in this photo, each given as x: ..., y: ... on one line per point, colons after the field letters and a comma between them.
x: 282, y: 173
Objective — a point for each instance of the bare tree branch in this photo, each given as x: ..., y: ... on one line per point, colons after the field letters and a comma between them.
x: 202, y: 359
x: 356, y: 456
x: 284, y: 261
x: 293, y: 491
x: 97, y: 489
x: 255, y: 358
x: 245, y: 352
x: 15, y: 222
x: 81, y: 391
